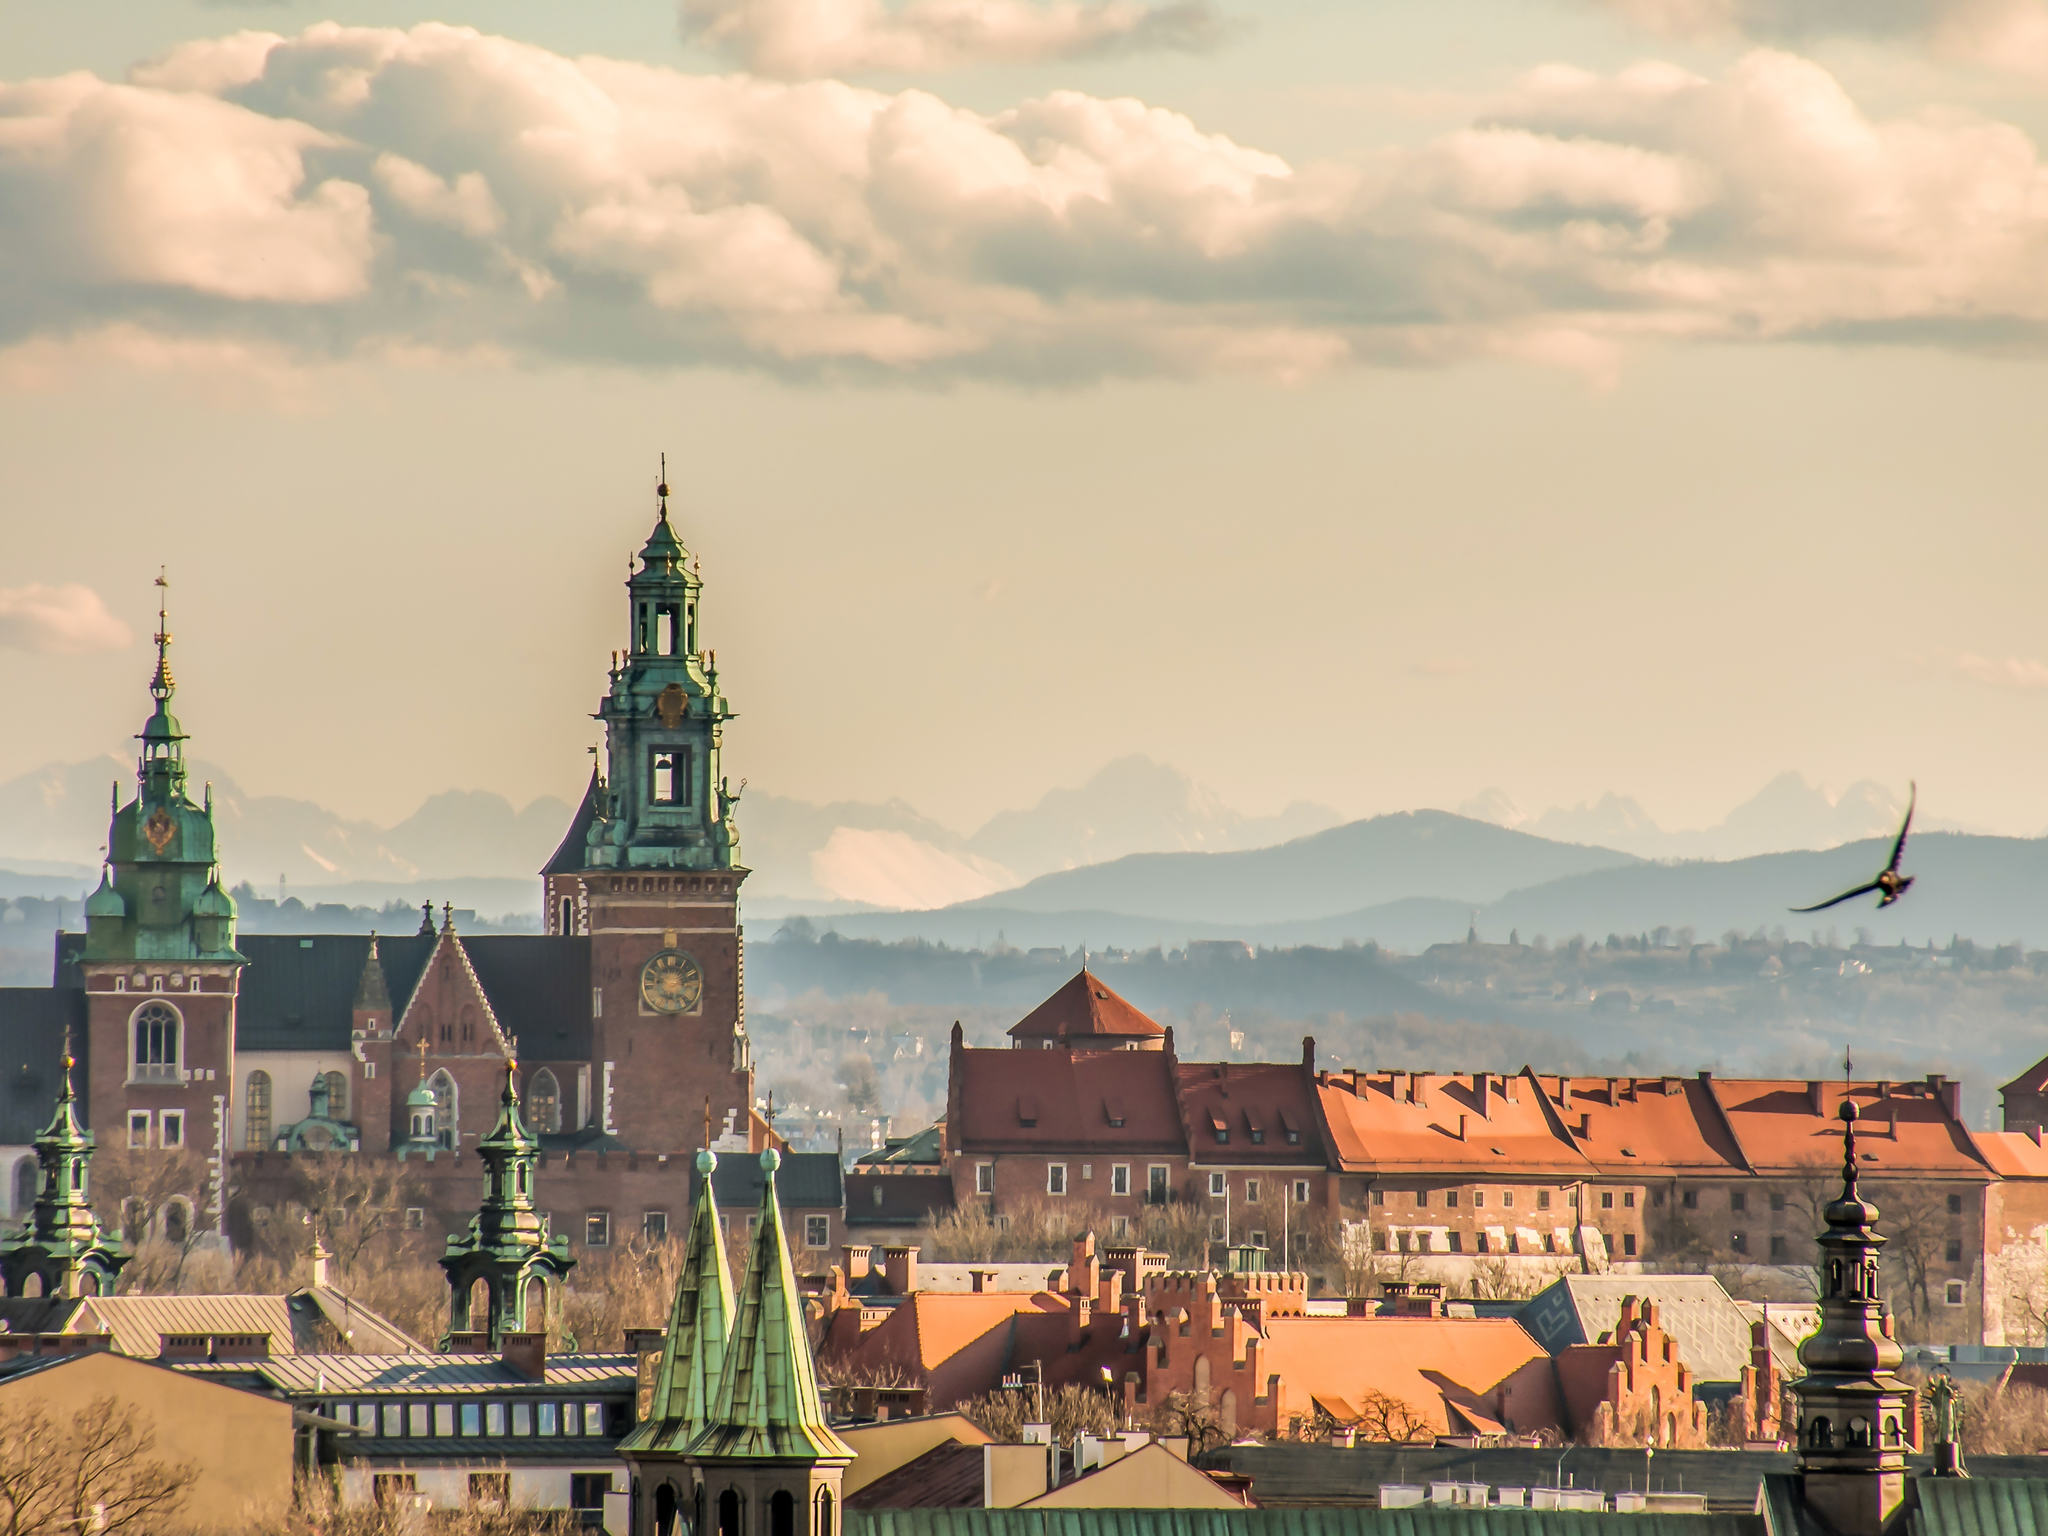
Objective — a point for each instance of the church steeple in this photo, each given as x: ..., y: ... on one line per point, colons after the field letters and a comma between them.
x: 62, y: 1245
x: 162, y: 768
x: 1855, y: 1415
x: 662, y: 803
x: 507, y: 1245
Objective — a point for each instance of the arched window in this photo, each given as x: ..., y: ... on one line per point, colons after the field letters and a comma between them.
x: 536, y: 1305
x: 1226, y: 1411
x: 729, y: 1513
x: 444, y: 1106
x: 782, y: 1513
x: 479, y: 1303
x: 664, y: 1510
x: 822, y: 1524
x: 1820, y: 1434
x: 177, y: 1222
x: 544, y: 1103
x: 256, y: 1111
x: 26, y: 1176
x: 468, y: 1023
x: 156, y: 1044
x: 337, y: 1096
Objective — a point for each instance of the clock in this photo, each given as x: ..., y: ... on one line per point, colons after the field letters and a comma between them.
x: 672, y: 983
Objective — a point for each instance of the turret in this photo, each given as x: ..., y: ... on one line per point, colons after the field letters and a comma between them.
x: 62, y: 1252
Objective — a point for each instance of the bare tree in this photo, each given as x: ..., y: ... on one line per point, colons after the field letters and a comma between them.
x: 1190, y: 1414
x: 152, y: 1196
x: 95, y: 1473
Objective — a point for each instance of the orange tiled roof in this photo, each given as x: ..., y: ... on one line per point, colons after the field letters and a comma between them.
x: 2013, y: 1154
x: 1646, y: 1125
x: 1792, y: 1128
x: 1394, y: 1122
x: 1491, y: 1365
x: 1084, y: 1007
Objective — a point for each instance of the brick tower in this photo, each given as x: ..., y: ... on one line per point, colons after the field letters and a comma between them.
x: 160, y: 966
x: 650, y: 872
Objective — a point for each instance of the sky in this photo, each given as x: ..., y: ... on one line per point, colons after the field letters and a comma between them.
x: 1361, y: 403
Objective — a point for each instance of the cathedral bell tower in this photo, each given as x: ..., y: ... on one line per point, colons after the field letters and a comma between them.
x: 650, y: 872
x: 160, y: 967
x: 1855, y: 1415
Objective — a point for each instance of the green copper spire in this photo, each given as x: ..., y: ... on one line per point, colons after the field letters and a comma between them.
x: 768, y: 1407
x: 62, y: 1243
x: 693, y: 1355
x: 507, y: 1245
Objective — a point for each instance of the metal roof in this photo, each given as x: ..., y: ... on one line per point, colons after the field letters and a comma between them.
x: 1711, y: 1331
x: 291, y: 1322
x: 1996, y: 1506
x: 1356, y: 1521
x: 804, y: 1181
x: 32, y: 1022
x: 425, y: 1374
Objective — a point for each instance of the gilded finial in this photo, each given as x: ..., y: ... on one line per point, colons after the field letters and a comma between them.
x: 661, y: 486
x: 162, y: 686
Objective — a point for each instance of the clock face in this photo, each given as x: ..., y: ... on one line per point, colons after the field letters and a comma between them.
x: 671, y: 983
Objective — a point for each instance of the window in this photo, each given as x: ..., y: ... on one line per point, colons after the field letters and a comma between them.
x: 1778, y: 1246
x: 1451, y: 1198
x: 1955, y: 1205
x: 572, y: 1418
x: 1628, y: 1199
x: 1256, y: 1237
x: 1217, y: 1187
x: 444, y: 1418
x: 1087, y: 1172
x: 1738, y: 1242
x: 393, y: 1487
x: 1301, y: 1191
x: 1542, y: 1199
x: 1628, y: 1245
x: 522, y: 1418
x: 444, y: 1108
x: 490, y: 1490
x: 1606, y: 1199
x: 394, y: 1421
x: 138, y: 1127
x: 670, y: 776
x: 654, y: 1226
x: 1777, y: 1200
x: 1421, y: 1199
x: 548, y: 1419
x: 1457, y: 1242
x: 1120, y: 1227
x: 1119, y: 1178
x: 1155, y: 1183
x: 544, y: 1103
x: 337, y: 1096
x: 257, y: 1114
x: 1952, y: 1293
x: 472, y: 1419
x: 416, y: 1419
x: 587, y: 1489
x: 1055, y: 1178
x: 1690, y: 1199
x: 1738, y: 1200
x: 984, y: 1178
x: 817, y: 1231
x: 1478, y: 1198
x: 415, y: 1218
x: 568, y: 920
x: 1507, y: 1198
x: 1657, y: 1198
x: 1955, y: 1250
x: 1379, y: 1197
x: 494, y: 1418
x: 1215, y: 1229
x: 172, y: 1134
x: 1251, y: 1191
x: 156, y: 1044
x: 593, y: 1418
x: 597, y: 1229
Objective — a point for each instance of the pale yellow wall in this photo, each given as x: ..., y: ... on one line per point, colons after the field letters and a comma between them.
x: 238, y: 1444
x: 1014, y: 1475
x: 1151, y: 1478
x: 879, y: 1449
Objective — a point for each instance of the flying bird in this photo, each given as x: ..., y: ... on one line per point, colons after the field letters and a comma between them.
x: 1890, y: 884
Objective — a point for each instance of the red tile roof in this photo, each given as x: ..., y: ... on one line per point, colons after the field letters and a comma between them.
x: 1267, y: 1111
x: 1085, y: 1009
x: 1397, y: 1122
x: 948, y: 1476
x: 1062, y: 1100
x: 1904, y: 1128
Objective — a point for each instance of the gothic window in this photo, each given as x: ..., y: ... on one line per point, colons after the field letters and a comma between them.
x: 544, y: 1103
x: 568, y: 915
x: 176, y: 1222
x: 1820, y: 1434
x: 25, y: 1178
x: 337, y: 1096
x: 782, y: 1513
x: 729, y: 1513
x: 664, y: 1510
x: 468, y: 1023
x: 822, y: 1524
x: 443, y: 1087
x: 156, y: 1043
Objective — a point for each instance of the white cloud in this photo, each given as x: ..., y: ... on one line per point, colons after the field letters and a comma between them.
x: 437, y: 192
x: 2005, y: 35
x: 65, y: 620
x: 2010, y: 672
x: 804, y: 39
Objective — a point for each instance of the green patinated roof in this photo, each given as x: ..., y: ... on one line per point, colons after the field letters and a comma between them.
x: 1354, y: 1521
x: 1981, y: 1506
x: 767, y: 1406
x: 693, y: 1355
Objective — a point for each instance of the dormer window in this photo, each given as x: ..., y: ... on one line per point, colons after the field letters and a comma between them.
x: 1113, y: 1111
x: 1027, y: 1110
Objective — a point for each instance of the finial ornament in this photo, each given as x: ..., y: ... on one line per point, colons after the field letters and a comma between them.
x: 661, y: 486
x: 1848, y: 1113
x: 161, y: 686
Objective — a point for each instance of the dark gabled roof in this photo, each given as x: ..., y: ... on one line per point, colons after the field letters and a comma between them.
x: 948, y: 1476
x: 32, y: 1021
x: 570, y: 856
x: 1064, y: 1100
x: 926, y: 1148
x: 298, y: 991
x: 805, y: 1181
x: 895, y: 1199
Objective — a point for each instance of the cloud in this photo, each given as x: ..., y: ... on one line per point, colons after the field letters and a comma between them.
x: 2011, y: 672
x: 805, y: 39
x: 2005, y: 35
x: 66, y: 620
x: 436, y: 192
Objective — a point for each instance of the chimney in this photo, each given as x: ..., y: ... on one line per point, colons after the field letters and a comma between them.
x: 1585, y: 1124
x: 980, y: 1280
x: 859, y: 1259
x: 1461, y: 1127
x: 899, y: 1268
x: 645, y: 1341
x: 1084, y: 1274
x: 1482, y: 1088
x: 1361, y: 1306
x: 1950, y: 1094
x: 320, y: 1258
x: 1308, y: 1054
x: 1814, y: 1104
x: 527, y: 1353
x: 468, y: 1342
x: 1564, y: 1091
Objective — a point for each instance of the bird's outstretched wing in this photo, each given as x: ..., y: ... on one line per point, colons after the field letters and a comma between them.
x: 1836, y: 901
x: 1899, y: 847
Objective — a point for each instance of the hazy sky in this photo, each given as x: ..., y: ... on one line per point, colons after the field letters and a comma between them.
x: 1364, y: 403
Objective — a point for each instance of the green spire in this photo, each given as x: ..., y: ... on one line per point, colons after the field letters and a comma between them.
x: 768, y: 1407
x: 693, y: 1355
x: 63, y: 1243
x: 507, y: 1244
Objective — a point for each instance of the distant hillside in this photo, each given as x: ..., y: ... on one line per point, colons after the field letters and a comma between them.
x: 1414, y: 854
